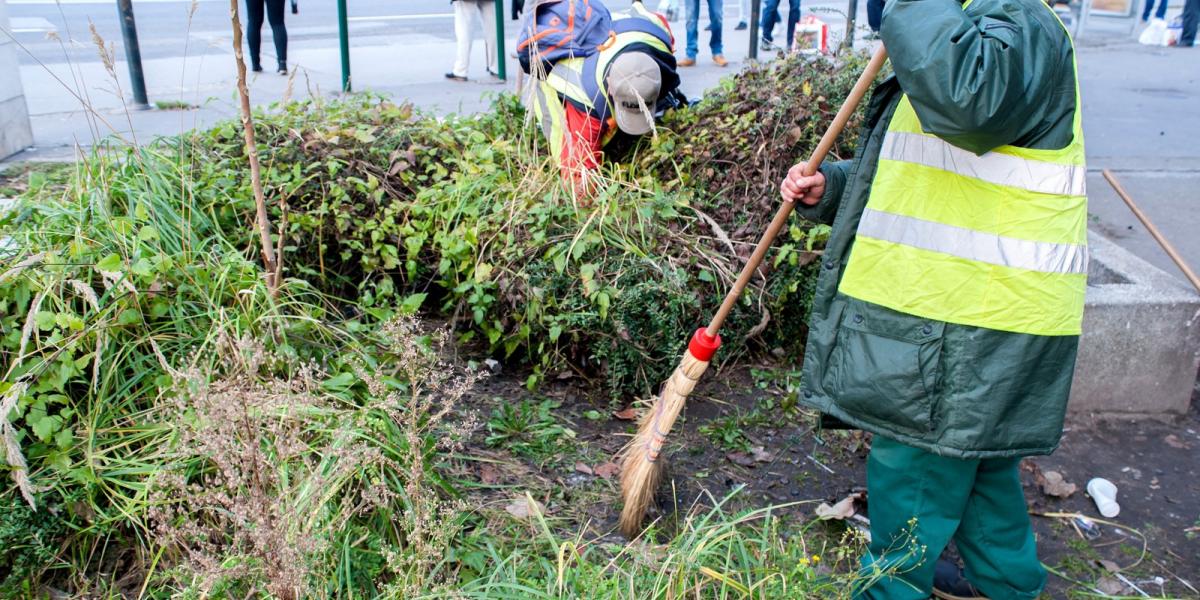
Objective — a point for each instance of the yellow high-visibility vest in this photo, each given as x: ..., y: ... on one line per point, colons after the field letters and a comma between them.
x: 581, y: 80
x: 996, y: 241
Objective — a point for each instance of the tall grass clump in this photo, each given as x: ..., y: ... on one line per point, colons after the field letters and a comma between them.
x: 277, y: 485
x: 116, y: 279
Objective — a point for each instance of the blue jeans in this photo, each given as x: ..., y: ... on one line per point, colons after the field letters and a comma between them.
x: 1162, y: 9
x: 771, y: 16
x: 1191, y: 19
x: 693, y: 21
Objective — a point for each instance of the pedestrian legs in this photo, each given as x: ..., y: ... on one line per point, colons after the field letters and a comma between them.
x: 770, y: 17
x: 254, y: 23
x: 278, y: 31
x: 466, y: 13
x: 793, y: 18
x: 716, y: 9
x: 1162, y: 9
x: 691, y: 16
x: 1191, y: 18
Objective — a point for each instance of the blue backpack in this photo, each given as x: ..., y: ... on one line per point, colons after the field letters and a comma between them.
x: 558, y: 29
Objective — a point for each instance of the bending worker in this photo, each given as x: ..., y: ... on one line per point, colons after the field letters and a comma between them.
x: 948, y: 306
x: 582, y: 103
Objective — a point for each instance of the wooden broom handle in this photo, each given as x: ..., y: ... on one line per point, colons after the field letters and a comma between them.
x: 785, y: 208
x: 1158, y: 236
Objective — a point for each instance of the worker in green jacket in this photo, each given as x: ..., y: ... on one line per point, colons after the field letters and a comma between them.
x: 950, y: 297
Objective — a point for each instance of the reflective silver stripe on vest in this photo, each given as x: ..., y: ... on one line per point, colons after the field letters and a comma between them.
x: 993, y: 249
x: 993, y: 167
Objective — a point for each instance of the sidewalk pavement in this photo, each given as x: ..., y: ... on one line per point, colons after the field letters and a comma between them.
x: 1140, y: 106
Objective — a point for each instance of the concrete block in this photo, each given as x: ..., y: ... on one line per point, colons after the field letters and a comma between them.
x: 1140, y: 348
x: 16, y: 134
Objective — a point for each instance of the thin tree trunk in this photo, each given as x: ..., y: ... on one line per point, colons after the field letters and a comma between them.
x: 271, y: 262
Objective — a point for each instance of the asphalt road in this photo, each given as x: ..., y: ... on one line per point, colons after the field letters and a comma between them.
x: 165, y: 25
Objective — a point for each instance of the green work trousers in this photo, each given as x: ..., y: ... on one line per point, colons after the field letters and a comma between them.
x: 919, y: 501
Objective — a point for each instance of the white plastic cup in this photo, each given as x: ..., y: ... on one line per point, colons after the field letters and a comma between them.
x: 1104, y: 494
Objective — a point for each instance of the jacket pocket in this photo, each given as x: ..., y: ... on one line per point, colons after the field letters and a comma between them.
x: 885, y: 367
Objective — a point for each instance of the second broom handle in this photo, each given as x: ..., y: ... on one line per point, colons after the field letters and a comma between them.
x: 861, y: 87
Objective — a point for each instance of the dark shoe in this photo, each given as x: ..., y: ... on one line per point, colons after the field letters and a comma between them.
x: 950, y: 584
x: 708, y: 27
x: 282, y: 70
x: 454, y: 77
x: 256, y: 68
x: 741, y: 26
x: 767, y: 46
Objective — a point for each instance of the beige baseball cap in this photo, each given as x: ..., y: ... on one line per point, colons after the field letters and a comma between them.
x: 634, y: 76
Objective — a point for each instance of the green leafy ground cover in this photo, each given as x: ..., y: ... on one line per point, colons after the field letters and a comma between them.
x: 173, y: 429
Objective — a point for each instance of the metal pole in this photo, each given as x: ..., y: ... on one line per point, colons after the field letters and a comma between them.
x: 851, y: 16
x: 755, y: 10
x: 344, y: 43
x: 500, y: 71
x: 133, y: 53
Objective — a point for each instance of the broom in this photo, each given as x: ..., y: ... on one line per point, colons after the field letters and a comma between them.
x: 641, y: 469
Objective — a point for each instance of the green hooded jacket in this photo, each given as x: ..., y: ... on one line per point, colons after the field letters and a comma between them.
x: 997, y: 72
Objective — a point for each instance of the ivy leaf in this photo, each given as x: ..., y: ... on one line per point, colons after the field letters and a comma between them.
x: 412, y: 303
x: 43, y: 425
x: 110, y: 264
x: 555, y: 331
x: 129, y: 316
x: 45, y: 320
x: 147, y: 233
x: 142, y: 267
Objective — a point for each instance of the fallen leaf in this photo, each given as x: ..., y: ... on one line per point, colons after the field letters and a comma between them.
x: 1053, y: 484
x: 489, y: 474
x: 1173, y: 441
x: 741, y: 459
x: 1109, y: 565
x: 760, y: 455
x: 607, y: 470
x: 582, y: 468
x: 525, y: 507
x: 844, y: 509
x: 628, y: 414
x: 1110, y: 586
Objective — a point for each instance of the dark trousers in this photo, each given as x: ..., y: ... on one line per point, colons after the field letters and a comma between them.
x: 1162, y: 9
x: 771, y: 16
x: 1191, y: 17
x: 274, y: 14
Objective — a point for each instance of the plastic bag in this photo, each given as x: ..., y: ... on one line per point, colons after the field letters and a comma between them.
x: 1155, y: 33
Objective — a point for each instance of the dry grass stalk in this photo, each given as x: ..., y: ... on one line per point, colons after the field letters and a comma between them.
x: 12, y: 450
x: 270, y: 258
x: 89, y: 294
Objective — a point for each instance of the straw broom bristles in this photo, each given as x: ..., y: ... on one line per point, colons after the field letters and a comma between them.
x: 642, y: 461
